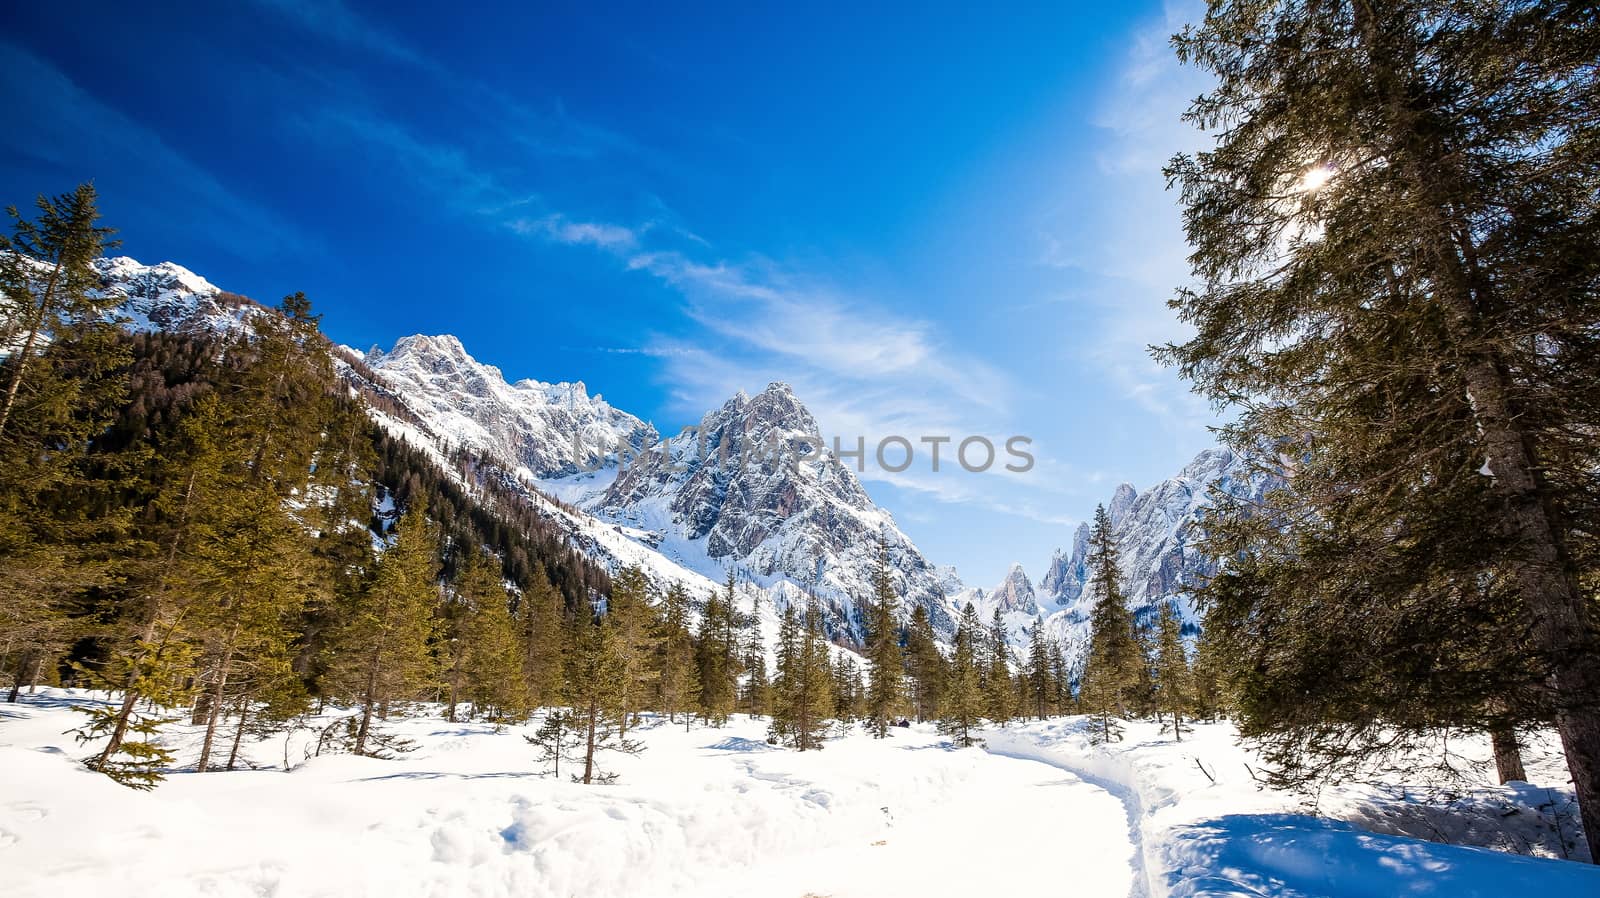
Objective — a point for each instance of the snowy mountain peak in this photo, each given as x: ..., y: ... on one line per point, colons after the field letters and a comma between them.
x: 1121, y: 501
x: 753, y: 487
x: 1015, y: 593
x: 549, y: 429
x: 168, y: 297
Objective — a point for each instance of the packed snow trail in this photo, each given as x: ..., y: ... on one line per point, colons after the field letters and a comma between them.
x: 707, y: 813
x: 1018, y: 827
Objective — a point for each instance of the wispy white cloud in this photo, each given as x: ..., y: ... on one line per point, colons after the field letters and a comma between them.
x: 1127, y: 237
x: 560, y: 229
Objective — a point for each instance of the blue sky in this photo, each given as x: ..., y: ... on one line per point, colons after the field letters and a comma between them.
x: 930, y: 220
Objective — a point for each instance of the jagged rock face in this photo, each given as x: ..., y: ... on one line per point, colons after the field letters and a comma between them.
x: 756, y: 489
x: 170, y: 298
x: 1014, y: 595
x: 549, y: 429
x: 1154, y: 533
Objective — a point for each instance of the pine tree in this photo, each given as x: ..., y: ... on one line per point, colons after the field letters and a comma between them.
x: 539, y: 625
x: 1000, y: 694
x: 758, y: 687
x: 491, y: 659
x: 803, y: 688
x: 1115, y: 664
x: 714, y: 648
x: 885, y: 662
x: 1174, y: 688
x: 962, y: 706
x: 597, y: 682
x: 1039, y: 677
x: 1209, y: 677
x: 383, y: 652
x: 927, y: 666
x: 64, y: 380
x: 678, y: 681
x: 634, y: 626
x: 558, y: 740
x: 1394, y: 241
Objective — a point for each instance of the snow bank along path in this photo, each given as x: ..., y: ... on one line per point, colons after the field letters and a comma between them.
x: 1203, y: 828
x: 707, y: 813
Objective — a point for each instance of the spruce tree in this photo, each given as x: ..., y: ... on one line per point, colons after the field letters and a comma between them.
x: 383, y: 652
x: 1394, y: 242
x: 803, y: 698
x: 714, y: 647
x: 677, y: 680
x: 596, y: 686
x: 758, y: 686
x: 926, y: 665
x: 491, y: 659
x: 962, y: 706
x: 1209, y: 677
x: 1000, y: 694
x: 633, y: 624
x: 64, y: 379
x: 1174, y: 691
x: 1114, y: 667
x: 540, y: 630
x: 50, y: 289
x: 1039, y: 675
x: 885, y: 661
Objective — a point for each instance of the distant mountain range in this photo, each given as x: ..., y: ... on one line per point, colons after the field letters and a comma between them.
x: 692, y: 507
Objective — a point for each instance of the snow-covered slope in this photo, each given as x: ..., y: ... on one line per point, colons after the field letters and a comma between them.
x: 168, y: 297
x: 549, y: 429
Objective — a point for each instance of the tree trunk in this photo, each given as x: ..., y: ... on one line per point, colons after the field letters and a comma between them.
x: 1539, y: 569
x: 214, y: 712
x: 21, y: 674
x: 23, y: 357
x: 588, y: 753
x: 238, y: 732
x: 1507, y: 755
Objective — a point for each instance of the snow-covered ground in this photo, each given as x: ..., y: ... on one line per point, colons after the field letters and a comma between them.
x: 1207, y: 828
x: 710, y: 812
x: 718, y: 812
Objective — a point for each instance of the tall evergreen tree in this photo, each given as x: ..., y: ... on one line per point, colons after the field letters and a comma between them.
x: 383, y: 652
x: 635, y: 631
x: 677, y: 681
x: 926, y: 665
x: 758, y: 686
x: 715, y: 650
x: 1114, y: 667
x: 1000, y: 693
x: 802, y: 690
x: 1039, y: 677
x: 596, y: 685
x: 962, y: 706
x: 63, y: 378
x: 1174, y: 693
x: 1394, y: 241
x: 491, y: 659
x: 885, y: 661
x: 539, y: 625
